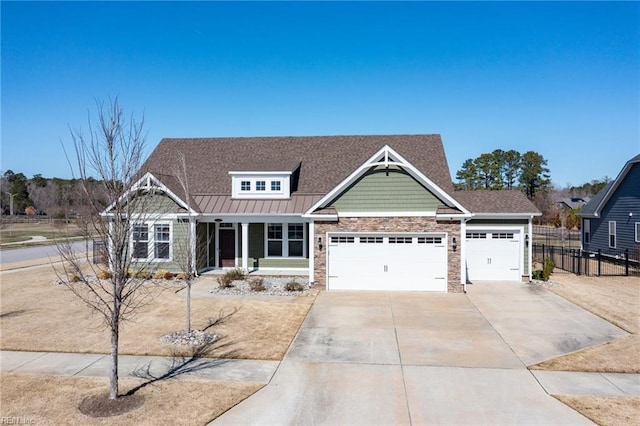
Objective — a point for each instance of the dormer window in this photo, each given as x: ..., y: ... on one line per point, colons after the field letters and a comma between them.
x: 274, y: 185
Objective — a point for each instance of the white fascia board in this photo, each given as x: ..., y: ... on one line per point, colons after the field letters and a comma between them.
x: 257, y: 173
x: 145, y: 182
x: 255, y: 218
x: 504, y: 215
x: 386, y: 214
x: 373, y: 162
x: 613, y: 188
x: 321, y: 217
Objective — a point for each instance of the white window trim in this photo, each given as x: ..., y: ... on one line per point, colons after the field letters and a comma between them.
x: 284, y: 178
x: 151, y: 241
x: 637, y: 232
x: 586, y: 231
x: 285, y: 241
x: 615, y: 238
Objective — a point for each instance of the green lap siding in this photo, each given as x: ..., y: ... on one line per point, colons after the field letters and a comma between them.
x: 382, y: 190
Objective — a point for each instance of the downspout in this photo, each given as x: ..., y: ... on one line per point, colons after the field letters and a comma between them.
x: 463, y: 252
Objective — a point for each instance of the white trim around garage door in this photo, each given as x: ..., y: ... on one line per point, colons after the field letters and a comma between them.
x: 397, y: 261
x: 494, y: 253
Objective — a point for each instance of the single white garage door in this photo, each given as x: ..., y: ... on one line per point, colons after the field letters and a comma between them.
x: 387, y: 262
x: 493, y: 256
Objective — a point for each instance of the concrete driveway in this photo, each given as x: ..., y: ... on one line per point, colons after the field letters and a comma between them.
x: 421, y: 358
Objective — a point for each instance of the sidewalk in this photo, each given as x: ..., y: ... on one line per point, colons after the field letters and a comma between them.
x: 98, y: 365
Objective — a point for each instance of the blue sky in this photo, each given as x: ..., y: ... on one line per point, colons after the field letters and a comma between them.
x: 559, y: 78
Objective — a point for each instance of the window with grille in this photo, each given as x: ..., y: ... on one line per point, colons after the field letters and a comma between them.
x: 400, y: 240
x: 371, y: 240
x: 429, y: 240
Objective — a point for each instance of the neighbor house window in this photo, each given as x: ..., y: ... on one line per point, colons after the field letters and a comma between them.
x: 275, y: 185
x: 140, y: 236
x: 295, y: 235
x: 245, y: 185
x: 162, y: 241
x: 274, y: 239
x: 612, y: 234
x: 261, y: 185
x: 587, y: 231
x: 637, y: 232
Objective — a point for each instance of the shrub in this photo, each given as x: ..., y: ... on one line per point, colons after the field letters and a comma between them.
x: 293, y: 286
x: 537, y: 275
x: 257, y: 284
x: 226, y: 280
x: 547, y: 268
x: 104, y: 275
x: 183, y: 276
x: 141, y: 274
x: 235, y: 274
x: 162, y: 274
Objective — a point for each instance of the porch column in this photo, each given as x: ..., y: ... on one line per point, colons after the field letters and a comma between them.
x: 245, y: 246
x: 193, y: 240
x: 311, y: 251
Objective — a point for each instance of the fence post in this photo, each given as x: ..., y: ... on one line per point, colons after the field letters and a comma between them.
x: 599, y: 261
x: 562, y: 258
x: 626, y: 262
x: 577, y: 259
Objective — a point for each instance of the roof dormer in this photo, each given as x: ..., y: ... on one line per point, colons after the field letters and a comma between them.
x: 274, y: 184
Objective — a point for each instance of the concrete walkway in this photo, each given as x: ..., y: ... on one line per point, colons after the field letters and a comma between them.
x: 98, y: 365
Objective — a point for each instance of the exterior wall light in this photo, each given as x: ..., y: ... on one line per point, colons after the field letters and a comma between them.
x: 320, y: 243
x: 526, y: 240
x: 454, y: 244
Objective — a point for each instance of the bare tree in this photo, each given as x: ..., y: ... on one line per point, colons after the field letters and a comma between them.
x: 192, y: 245
x: 111, y: 152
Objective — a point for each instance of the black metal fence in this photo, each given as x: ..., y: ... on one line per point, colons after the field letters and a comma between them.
x: 549, y: 235
x: 610, y: 262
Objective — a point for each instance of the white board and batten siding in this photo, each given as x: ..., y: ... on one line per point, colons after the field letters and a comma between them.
x: 385, y: 261
x: 494, y: 254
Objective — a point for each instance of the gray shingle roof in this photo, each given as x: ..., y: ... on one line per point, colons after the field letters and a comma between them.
x: 481, y: 201
x: 324, y: 161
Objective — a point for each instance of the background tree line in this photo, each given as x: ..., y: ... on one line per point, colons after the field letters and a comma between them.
x: 505, y: 170
x: 55, y: 197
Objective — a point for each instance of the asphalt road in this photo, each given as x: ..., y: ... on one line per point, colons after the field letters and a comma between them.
x: 38, y: 252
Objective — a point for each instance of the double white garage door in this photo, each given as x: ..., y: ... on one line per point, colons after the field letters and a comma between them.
x: 415, y: 262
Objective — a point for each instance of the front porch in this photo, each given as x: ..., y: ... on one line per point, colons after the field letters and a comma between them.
x: 279, y: 246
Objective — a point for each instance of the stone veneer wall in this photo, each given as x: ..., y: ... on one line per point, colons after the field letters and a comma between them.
x: 391, y: 224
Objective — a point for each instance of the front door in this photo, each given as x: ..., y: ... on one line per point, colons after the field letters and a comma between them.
x: 227, y: 248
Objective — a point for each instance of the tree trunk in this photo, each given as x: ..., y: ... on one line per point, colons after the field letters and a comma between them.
x: 115, y: 333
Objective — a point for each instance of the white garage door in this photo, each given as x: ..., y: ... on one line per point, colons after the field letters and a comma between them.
x: 493, y: 255
x: 387, y: 262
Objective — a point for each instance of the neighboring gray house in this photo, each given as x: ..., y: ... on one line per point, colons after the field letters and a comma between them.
x: 611, y: 219
x: 572, y: 203
x: 350, y: 212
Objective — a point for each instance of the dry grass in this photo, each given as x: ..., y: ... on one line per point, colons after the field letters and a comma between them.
x: 14, y: 232
x: 36, y: 315
x: 55, y: 399
x: 617, y: 300
x: 609, y: 411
